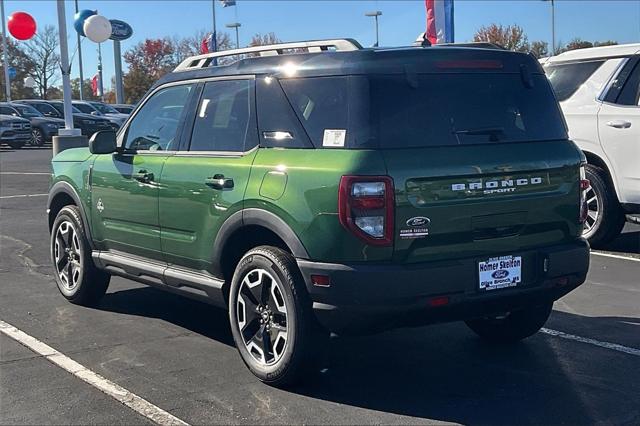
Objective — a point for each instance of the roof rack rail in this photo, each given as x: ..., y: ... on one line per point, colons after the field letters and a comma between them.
x: 204, y: 61
x: 477, y: 44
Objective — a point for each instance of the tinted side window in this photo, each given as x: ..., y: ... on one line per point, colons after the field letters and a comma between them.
x: 7, y: 111
x: 84, y: 108
x: 225, y: 117
x: 567, y: 78
x: 155, y: 126
x: 45, y: 109
x: 630, y: 93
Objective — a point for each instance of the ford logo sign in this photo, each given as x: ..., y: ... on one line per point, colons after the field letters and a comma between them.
x: 500, y: 273
x: 120, y: 30
x: 418, y: 221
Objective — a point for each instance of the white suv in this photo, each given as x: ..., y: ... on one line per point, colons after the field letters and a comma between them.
x: 599, y: 92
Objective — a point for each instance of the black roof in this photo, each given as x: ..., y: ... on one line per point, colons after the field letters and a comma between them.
x: 369, y: 61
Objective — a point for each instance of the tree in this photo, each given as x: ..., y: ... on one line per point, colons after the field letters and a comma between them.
x: 148, y: 61
x: 23, y: 65
x: 539, y: 49
x: 578, y: 43
x: 264, y: 39
x: 191, y: 46
x: 42, y: 50
x: 511, y: 37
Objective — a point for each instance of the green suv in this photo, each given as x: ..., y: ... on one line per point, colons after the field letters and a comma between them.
x: 321, y: 187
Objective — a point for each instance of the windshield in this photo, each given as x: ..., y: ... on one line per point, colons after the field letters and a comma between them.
x: 60, y: 108
x: 418, y: 110
x: 86, y: 108
x: 104, y: 108
x: 27, y: 111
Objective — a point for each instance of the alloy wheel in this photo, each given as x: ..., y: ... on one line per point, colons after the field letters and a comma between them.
x: 262, y: 316
x: 593, y: 212
x: 68, y: 256
x: 37, y: 138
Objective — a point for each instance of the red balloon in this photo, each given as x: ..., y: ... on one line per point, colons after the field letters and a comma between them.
x: 21, y: 25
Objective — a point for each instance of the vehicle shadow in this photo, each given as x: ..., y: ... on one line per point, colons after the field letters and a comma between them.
x: 627, y: 242
x: 445, y: 372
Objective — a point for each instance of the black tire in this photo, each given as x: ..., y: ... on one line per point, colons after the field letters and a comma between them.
x: 15, y: 145
x: 513, y: 326
x: 77, y: 277
x: 276, y: 363
x: 606, y: 217
x: 37, y: 137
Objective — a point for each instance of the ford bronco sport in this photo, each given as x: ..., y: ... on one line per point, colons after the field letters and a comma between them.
x: 321, y: 187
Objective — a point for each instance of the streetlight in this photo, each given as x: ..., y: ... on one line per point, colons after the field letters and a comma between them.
x: 553, y: 27
x: 235, y: 25
x: 375, y: 15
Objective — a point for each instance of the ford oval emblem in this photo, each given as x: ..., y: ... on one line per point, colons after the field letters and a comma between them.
x: 500, y: 273
x: 418, y: 221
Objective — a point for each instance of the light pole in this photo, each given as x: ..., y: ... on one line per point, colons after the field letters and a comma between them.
x: 553, y: 26
x: 236, y: 25
x: 5, y: 57
x: 375, y: 15
x: 80, y: 58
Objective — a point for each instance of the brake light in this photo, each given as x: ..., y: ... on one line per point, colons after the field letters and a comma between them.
x: 366, y: 206
x: 584, y: 186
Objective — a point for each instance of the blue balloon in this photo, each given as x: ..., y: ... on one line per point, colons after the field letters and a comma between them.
x: 80, y: 17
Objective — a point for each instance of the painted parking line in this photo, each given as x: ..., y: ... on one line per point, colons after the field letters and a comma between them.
x: 25, y: 173
x: 131, y: 400
x: 23, y: 196
x: 616, y: 256
x: 606, y: 345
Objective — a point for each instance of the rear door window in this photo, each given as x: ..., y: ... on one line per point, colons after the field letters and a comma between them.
x: 567, y: 78
x: 225, y: 118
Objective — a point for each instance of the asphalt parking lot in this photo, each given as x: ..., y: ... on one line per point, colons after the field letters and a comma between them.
x: 178, y: 354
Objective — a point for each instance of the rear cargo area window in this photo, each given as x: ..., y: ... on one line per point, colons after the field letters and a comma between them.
x: 420, y: 110
x: 567, y: 78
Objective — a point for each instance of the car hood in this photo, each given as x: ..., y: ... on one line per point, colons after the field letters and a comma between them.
x: 8, y: 118
x: 47, y: 120
x: 83, y: 116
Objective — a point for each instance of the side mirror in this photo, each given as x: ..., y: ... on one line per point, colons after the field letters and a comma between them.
x: 103, y: 142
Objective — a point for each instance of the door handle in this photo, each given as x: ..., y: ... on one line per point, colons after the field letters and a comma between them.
x: 619, y: 124
x: 143, y: 176
x: 218, y: 181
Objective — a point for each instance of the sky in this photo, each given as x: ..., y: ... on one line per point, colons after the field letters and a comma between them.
x: 293, y: 20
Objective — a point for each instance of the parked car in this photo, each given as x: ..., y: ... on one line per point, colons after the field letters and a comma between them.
x: 599, y: 92
x: 124, y: 108
x: 43, y: 129
x: 101, y: 110
x: 88, y: 124
x: 14, y: 131
x: 324, y: 187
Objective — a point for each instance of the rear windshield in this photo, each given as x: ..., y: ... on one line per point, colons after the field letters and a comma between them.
x: 418, y: 110
x: 567, y: 78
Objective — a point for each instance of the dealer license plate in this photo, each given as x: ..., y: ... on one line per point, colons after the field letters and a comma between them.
x: 500, y: 272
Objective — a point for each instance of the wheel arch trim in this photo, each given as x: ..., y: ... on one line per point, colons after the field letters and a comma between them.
x: 66, y: 188
x: 259, y: 217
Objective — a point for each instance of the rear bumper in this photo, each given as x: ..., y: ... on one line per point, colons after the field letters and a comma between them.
x: 362, y: 298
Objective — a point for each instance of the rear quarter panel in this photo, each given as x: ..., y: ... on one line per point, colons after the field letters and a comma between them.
x: 309, y: 201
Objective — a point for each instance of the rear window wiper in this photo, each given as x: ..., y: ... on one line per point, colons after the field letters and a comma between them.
x: 492, y: 132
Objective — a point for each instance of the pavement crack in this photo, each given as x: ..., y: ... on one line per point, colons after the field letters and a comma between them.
x: 30, y: 265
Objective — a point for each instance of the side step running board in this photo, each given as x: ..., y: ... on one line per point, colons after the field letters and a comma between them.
x: 190, y: 283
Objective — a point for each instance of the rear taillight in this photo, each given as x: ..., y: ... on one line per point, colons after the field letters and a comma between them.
x: 584, y: 186
x: 365, y: 207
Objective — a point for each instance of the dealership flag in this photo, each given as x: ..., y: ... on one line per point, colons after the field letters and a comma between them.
x: 209, y: 44
x: 439, y: 21
x: 226, y: 3
x: 95, y: 85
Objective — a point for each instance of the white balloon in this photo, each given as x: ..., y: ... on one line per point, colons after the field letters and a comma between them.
x: 97, y: 28
x: 30, y: 82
